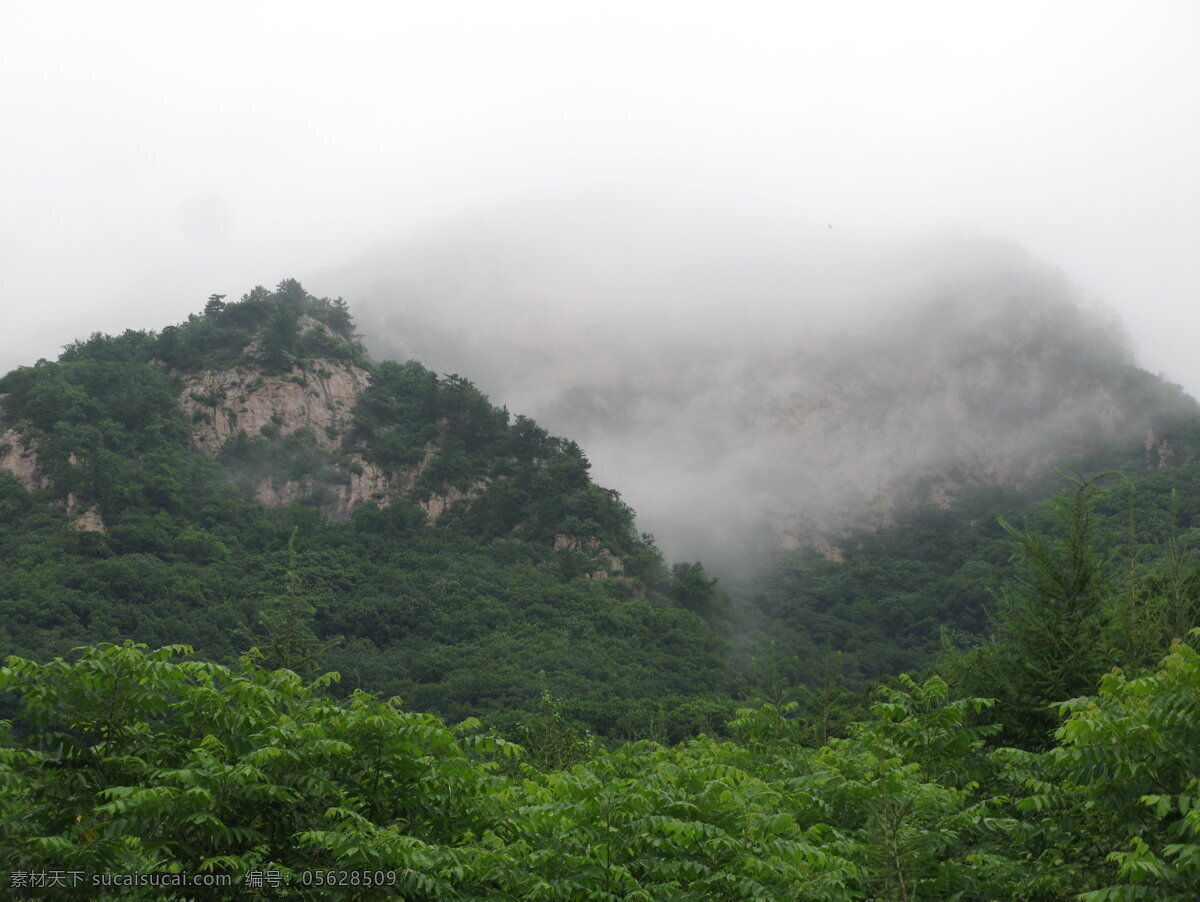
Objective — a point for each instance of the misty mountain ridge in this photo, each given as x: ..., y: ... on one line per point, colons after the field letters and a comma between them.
x: 776, y: 426
x: 157, y: 475
x: 771, y: 385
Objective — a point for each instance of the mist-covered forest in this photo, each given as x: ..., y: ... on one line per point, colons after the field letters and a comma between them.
x: 280, y: 613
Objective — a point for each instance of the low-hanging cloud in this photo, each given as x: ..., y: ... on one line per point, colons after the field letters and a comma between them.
x: 748, y: 379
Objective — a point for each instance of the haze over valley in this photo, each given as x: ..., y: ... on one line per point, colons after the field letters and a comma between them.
x: 753, y: 381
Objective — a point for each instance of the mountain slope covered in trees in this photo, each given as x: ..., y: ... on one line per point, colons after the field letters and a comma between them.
x: 250, y: 477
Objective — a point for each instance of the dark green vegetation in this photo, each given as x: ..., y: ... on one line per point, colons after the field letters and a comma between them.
x: 476, y: 614
x: 639, y: 735
x: 939, y: 575
x: 129, y: 761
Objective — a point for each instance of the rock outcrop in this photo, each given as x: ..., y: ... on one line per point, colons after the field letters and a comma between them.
x: 320, y: 397
x: 1158, y: 450
x: 18, y: 455
x: 84, y: 517
x: 609, y: 565
x: 436, y: 505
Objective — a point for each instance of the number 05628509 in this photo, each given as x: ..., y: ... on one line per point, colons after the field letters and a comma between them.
x: 347, y: 878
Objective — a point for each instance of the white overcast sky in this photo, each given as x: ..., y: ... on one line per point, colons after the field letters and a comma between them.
x: 152, y: 153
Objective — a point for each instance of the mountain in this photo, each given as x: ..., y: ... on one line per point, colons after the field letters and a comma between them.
x: 251, y: 477
x: 753, y: 383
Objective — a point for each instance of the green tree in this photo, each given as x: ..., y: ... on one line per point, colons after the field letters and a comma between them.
x: 1120, y: 794
x: 1052, y: 638
x: 693, y: 589
x: 288, y: 640
x: 128, y: 760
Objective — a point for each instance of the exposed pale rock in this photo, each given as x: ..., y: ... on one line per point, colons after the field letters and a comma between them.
x: 272, y: 494
x: 368, y: 485
x: 828, y: 550
x: 436, y: 505
x: 86, y: 518
x: 612, y: 565
x: 321, y: 397
x: 18, y: 456
x: 1159, y: 446
x: 564, y: 542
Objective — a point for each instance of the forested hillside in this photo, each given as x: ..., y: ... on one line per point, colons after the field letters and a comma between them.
x: 240, y: 556
x: 250, y: 478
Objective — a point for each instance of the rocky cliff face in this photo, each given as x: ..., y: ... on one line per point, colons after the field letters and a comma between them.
x: 605, y: 564
x: 320, y: 397
x: 317, y: 397
x: 18, y: 455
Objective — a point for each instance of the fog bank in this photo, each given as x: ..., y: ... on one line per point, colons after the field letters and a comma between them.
x: 748, y: 378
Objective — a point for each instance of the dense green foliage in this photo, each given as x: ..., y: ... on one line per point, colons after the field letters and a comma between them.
x: 265, y: 328
x: 124, y: 760
x: 888, y: 605
x: 942, y: 575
